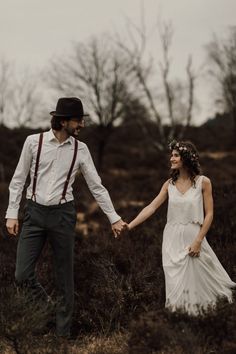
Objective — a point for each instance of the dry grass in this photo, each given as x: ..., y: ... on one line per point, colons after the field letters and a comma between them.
x: 119, y: 283
x: 117, y: 343
x: 114, y: 344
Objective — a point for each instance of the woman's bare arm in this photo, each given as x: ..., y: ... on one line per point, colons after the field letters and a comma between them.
x: 150, y: 208
x: 208, y: 209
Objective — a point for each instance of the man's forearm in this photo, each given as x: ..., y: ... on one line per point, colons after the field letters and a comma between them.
x: 18, y: 181
x: 104, y: 201
x: 15, y: 194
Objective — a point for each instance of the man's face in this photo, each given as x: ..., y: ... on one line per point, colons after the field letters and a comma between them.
x: 73, y: 126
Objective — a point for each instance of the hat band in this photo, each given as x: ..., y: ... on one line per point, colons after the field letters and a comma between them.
x: 68, y: 115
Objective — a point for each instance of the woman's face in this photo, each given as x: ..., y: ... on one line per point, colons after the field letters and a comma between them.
x: 175, y: 160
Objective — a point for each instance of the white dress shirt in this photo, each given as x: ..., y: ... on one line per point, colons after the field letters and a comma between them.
x: 54, y: 165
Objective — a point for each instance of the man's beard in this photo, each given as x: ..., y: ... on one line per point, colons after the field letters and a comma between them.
x: 73, y: 132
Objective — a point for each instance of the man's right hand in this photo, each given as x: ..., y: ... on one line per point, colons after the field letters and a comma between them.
x: 12, y: 226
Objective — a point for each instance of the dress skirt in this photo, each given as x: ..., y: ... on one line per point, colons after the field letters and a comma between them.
x: 192, y: 283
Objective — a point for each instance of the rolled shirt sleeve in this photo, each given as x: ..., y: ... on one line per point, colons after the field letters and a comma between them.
x: 94, y: 183
x: 18, y: 180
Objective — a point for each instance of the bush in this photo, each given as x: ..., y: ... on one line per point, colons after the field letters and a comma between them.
x: 165, y: 332
x: 119, y: 283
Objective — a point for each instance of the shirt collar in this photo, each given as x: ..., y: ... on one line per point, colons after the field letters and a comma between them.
x: 52, y: 137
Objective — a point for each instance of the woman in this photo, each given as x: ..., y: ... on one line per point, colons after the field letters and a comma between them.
x: 193, y: 274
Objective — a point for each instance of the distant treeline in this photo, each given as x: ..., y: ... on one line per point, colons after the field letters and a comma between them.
x: 214, y: 135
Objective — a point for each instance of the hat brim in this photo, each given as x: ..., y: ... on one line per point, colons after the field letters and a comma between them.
x: 55, y: 114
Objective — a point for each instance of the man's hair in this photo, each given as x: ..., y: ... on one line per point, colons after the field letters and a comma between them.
x: 56, y: 122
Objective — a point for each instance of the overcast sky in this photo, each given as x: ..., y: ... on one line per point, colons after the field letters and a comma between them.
x: 33, y: 31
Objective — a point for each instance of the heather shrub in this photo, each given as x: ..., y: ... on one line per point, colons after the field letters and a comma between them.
x: 21, y: 317
x: 214, y: 330
x: 113, y: 283
x: 119, y: 283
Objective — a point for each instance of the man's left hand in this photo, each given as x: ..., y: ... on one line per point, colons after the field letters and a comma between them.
x: 118, y: 227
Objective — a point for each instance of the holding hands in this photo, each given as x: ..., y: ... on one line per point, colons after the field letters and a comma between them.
x: 119, y: 227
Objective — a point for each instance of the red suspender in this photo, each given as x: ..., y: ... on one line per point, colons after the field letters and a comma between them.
x: 70, y: 172
x: 37, y: 166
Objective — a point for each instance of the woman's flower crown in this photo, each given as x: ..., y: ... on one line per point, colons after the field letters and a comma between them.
x: 184, y: 150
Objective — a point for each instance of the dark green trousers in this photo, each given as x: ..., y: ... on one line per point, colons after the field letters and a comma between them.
x: 57, y: 225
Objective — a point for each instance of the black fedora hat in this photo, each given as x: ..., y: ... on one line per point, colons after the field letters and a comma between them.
x: 69, y: 107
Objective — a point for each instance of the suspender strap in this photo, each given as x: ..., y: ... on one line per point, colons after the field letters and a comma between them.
x: 70, y: 171
x: 37, y: 166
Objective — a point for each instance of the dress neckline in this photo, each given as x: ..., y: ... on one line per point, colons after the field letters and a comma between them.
x: 196, y: 180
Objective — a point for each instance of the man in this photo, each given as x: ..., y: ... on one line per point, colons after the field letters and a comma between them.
x: 53, y: 159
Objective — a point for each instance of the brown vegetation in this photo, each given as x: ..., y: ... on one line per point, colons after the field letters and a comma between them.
x: 119, y: 283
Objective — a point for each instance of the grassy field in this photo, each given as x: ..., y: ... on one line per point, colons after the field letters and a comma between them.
x: 119, y: 283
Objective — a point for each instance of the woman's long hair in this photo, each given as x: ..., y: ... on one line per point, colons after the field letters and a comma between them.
x: 190, y: 158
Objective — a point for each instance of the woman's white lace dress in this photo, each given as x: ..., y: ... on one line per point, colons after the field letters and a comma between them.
x: 190, y: 282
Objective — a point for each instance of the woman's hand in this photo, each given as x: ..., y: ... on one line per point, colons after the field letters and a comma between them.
x: 125, y: 229
x: 194, y: 249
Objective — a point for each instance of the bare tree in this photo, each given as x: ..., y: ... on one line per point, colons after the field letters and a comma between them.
x: 5, y: 86
x: 20, y: 97
x: 27, y: 100
x: 169, y: 102
x: 96, y: 73
x: 222, y: 56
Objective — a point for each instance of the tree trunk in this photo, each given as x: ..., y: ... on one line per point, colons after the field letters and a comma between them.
x: 104, y: 133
